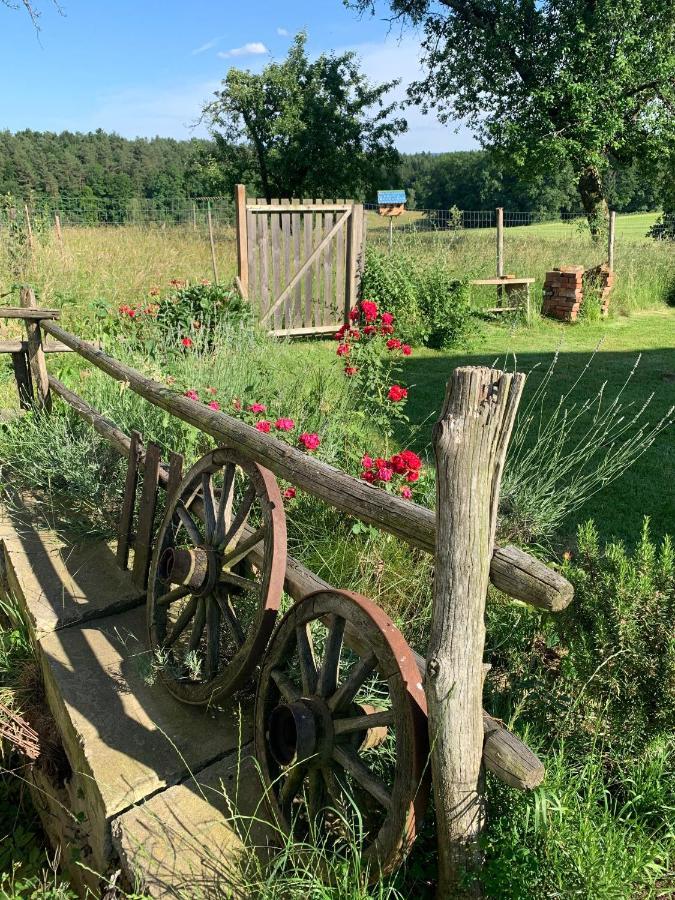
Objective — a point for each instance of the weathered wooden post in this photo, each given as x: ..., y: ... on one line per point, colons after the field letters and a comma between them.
x: 470, y: 442
x: 242, y: 239
x: 36, y: 353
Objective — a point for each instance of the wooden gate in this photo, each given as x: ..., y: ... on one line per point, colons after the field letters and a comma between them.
x: 299, y: 262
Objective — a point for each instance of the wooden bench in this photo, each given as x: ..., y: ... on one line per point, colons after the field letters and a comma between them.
x: 512, y: 286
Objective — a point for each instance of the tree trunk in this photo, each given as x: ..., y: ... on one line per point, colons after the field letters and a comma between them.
x: 593, y: 201
x: 470, y: 442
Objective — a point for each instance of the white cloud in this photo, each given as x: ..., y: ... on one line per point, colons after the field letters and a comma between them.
x: 283, y: 32
x: 209, y: 45
x: 392, y: 59
x: 253, y: 48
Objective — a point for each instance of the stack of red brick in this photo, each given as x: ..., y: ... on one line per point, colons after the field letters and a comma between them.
x: 563, y: 293
x: 601, y: 279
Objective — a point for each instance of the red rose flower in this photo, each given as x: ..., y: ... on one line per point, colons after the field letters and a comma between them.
x: 369, y: 329
x: 186, y: 342
x: 393, y: 344
x: 290, y: 493
x: 412, y: 476
x: 412, y: 460
x: 406, y: 493
x: 399, y: 464
x: 355, y: 334
x: 367, y: 462
x: 387, y: 329
x: 406, y: 349
x: 214, y: 405
x: 351, y: 370
x: 264, y: 426
x: 343, y: 350
x: 369, y: 310
x: 340, y: 333
x: 191, y: 395
x: 257, y: 408
x: 384, y: 474
x: 354, y: 314
x: 387, y: 318
x: 284, y: 424
x: 397, y: 393
x: 368, y: 476
x: 310, y: 441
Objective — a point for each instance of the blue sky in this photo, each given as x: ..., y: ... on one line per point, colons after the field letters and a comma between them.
x: 145, y: 67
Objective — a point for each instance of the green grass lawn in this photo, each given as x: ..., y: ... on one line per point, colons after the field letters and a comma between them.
x: 648, y: 488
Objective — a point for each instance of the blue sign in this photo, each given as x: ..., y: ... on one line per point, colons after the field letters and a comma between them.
x: 384, y: 198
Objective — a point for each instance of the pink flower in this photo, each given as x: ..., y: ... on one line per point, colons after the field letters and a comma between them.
x: 367, y: 462
x: 369, y: 310
x: 310, y: 441
x: 355, y: 334
x: 284, y: 424
x: 186, y: 342
x: 264, y: 426
x: 191, y: 395
x: 406, y: 493
x: 397, y: 393
x: 368, y: 476
x: 387, y: 318
x: 354, y: 314
x: 393, y: 344
x: 214, y: 405
x: 387, y: 329
x: 406, y: 349
x: 340, y: 333
x: 343, y: 350
x: 351, y: 370
x: 132, y: 313
x: 384, y: 474
x: 383, y: 463
x: 369, y: 329
x: 211, y: 390
x: 257, y: 407
x: 290, y: 493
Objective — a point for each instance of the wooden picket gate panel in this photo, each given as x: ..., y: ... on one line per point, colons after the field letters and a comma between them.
x: 299, y: 262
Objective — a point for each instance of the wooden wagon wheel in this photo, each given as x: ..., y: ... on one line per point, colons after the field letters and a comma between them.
x: 210, y: 612
x: 341, y: 729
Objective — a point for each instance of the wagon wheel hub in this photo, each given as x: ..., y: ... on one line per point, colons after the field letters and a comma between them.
x: 301, y: 732
x: 197, y: 568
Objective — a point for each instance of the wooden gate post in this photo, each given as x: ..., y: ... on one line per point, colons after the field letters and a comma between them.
x: 36, y: 353
x: 470, y: 442
x: 242, y: 239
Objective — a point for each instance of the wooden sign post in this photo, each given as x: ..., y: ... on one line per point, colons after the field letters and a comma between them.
x: 391, y: 204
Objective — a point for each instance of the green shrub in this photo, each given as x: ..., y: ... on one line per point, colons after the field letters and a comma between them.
x: 194, y: 306
x: 431, y: 307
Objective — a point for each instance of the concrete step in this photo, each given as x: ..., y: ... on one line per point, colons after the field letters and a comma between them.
x: 135, y: 754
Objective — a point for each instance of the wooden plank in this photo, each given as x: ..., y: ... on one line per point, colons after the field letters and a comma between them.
x: 22, y: 347
x: 35, y: 353
x: 286, y: 253
x: 340, y: 272
x: 296, y: 228
x: 32, y: 313
x: 253, y: 259
x: 308, y: 237
x: 242, y: 238
x: 305, y: 206
x: 537, y: 585
x: 146, y: 516
x: 24, y: 382
x: 312, y: 261
x: 175, y: 475
x: 503, y: 281
x: 360, y: 218
x: 129, y: 502
x: 298, y: 332
x: 263, y: 244
x: 351, y: 293
x: 317, y: 311
x: 275, y: 233
x: 328, y: 306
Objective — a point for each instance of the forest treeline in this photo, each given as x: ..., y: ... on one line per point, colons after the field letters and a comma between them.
x: 37, y: 165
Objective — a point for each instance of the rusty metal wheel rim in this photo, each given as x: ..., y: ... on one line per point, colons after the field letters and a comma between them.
x: 207, y: 567
x: 310, y: 729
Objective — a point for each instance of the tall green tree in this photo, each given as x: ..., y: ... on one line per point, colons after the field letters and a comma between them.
x: 549, y: 83
x: 313, y: 127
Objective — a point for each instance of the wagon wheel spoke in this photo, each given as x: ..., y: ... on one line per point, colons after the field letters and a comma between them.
x: 231, y: 619
x: 188, y: 524
x: 352, y: 763
x: 224, y: 511
x: 212, y: 637
x: 246, y: 584
x: 176, y: 594
x: 244, y: 548
x: 384, y: 717
x: 344, y: 695
x: 291, y: 787
x: 233, y: 533
x: 209, y: 506
x: 289, y: 691
x: 199, y: 624
x: 308, y: 669
x: 182, y: 622
x: 329, y: 669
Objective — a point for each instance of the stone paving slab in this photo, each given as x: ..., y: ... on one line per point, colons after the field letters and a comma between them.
x: 58, y: 582
x: 126, y: 738
x: 188, y: 841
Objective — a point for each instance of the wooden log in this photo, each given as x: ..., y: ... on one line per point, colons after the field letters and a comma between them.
x: 470, y: 442
x: 146, y: 516
x: 24, y: 382
x: 242, y: 238
x: 128, y: 502
x: 408, y: 521
x: 30, y: 313
x: 518, y: 575
x: 35, y: 353
x: 504, y: 754
x: 22, y: 347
